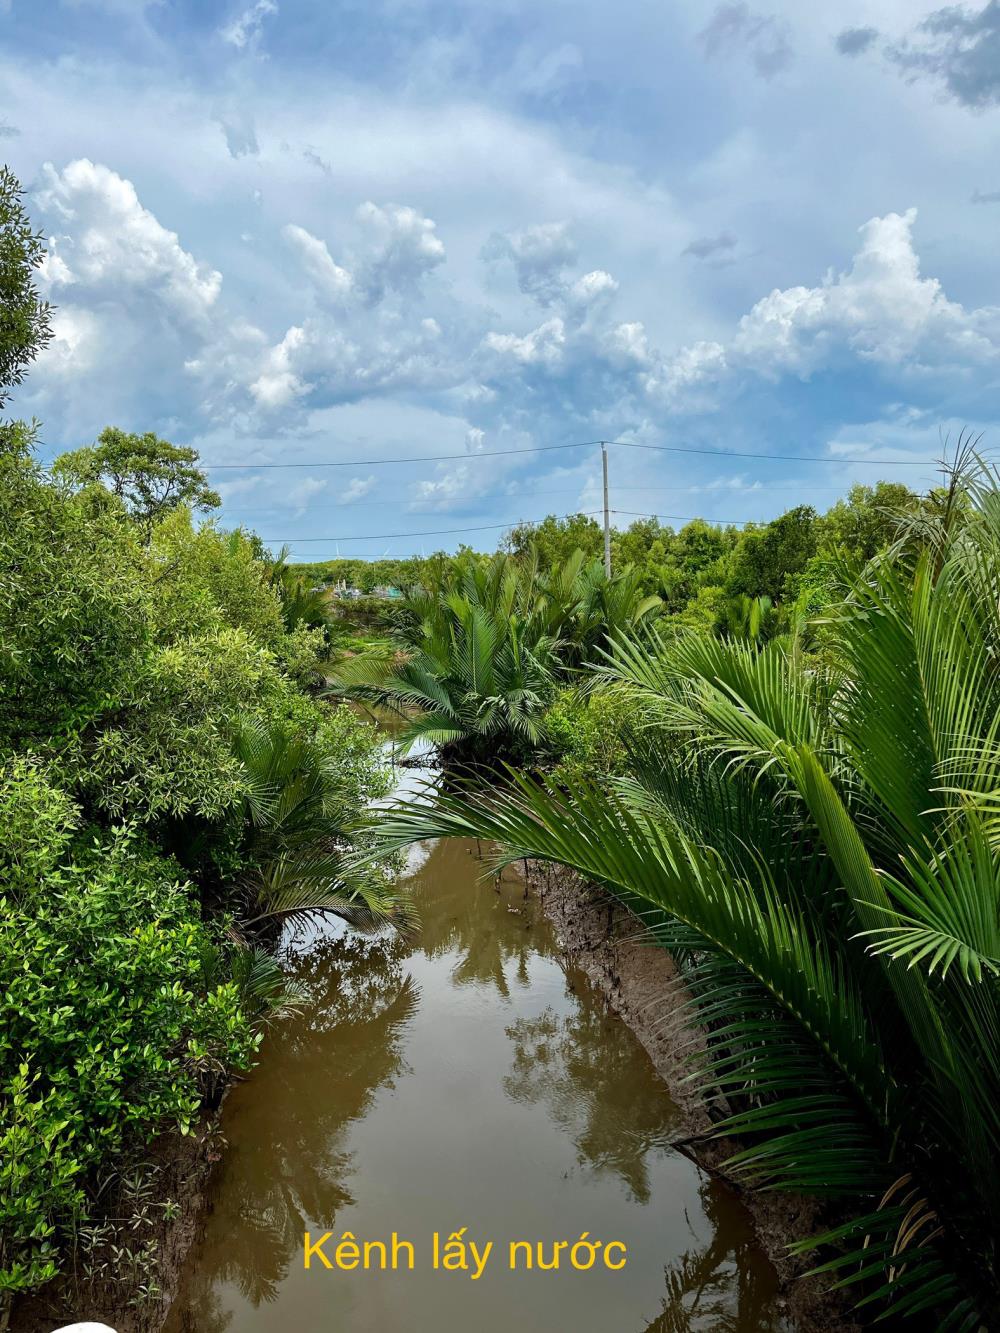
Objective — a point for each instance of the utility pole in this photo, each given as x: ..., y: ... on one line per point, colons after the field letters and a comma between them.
x: 607, y: 520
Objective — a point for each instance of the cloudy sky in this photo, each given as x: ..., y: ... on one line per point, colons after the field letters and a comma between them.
x: 288, y: 231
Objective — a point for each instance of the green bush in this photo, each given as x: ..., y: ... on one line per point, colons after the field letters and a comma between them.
x: 72, y: 622
x: 202, y: 580
x: 589, y: 733
x: 99, y: 1057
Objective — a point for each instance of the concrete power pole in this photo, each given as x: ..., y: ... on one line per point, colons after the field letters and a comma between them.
x: 607, y: 519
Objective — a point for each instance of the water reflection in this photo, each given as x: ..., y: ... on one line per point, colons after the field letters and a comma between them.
x: 463, y: 1076
x: 288, y: 1159
x: 489, y: 931
x: 576, y: 1066
x: 724, y: 1285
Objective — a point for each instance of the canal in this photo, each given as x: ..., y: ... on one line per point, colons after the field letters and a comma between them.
x: 464, y: 1077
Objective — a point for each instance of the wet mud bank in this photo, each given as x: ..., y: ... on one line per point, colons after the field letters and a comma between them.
x: 183, y: 1169
x: 642, y: 985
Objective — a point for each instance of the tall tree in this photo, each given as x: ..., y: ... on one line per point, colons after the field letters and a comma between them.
x: 25, y: 324
x: 149, y: 475
x: 555, y: 539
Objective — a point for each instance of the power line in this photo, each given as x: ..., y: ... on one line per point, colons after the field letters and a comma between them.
x: 757, y: 488
x: 580, y: 444
x: 428, y: 457
x: 513, y: 523
x: 776, y: 458
x: 436, y: 532
x: 688, y: 518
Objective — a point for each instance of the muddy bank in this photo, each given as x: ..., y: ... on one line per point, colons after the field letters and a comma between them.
x: 182, y: 1168
x: 642, y: 985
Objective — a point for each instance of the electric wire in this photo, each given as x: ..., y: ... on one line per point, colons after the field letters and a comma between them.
x: 434, y: 532
x: 579, y: 444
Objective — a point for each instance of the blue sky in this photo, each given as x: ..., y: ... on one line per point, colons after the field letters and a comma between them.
x: 287, y: 231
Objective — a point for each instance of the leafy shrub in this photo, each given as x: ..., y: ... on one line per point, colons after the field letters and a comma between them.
x: 589, y: 733
x: 71, y: 601
x: 108, y: 1031
x: 203, y: 580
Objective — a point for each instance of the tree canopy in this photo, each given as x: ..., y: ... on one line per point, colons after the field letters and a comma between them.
x: 25, y: 323
x: 149, y: 475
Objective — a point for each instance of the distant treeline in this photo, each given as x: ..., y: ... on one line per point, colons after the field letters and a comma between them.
x: 710, y: 576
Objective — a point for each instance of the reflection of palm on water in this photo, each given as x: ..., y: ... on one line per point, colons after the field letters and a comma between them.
x: 292, y: 1160
x: 296, y: 1167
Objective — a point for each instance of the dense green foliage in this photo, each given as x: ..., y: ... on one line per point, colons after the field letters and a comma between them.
x: 25, y: 325
x: 148, y: 475
x: 138, y: 659
x: 478, y: 655
x: 709, y: 576
x: 96, y: 1056
x: 168, y: 779
x: 815, y: 837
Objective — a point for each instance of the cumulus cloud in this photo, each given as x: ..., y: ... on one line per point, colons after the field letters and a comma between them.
x: 588, y: 298
x: 881, y: 310
x: 706, y: 247
x: 676, y: 379
x: 75, y: 341
x: 323, y: 360
x: 628, y: 344
x: 540, y: 256
x: 356, y: 489
x: 303, y: 491
x: 542, y: 346
x: 404, y: 247
x: 245, y: 27
x: 333, y: 282
x: 109, y: 243
x: 764, y: 37
x: 278, y: 383
x: 959, y: 47
x: 855, y: 41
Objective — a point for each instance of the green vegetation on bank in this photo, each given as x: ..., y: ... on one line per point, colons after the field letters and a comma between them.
x: 809, y: 823
x: 478, y: 651
x: 171, y: 789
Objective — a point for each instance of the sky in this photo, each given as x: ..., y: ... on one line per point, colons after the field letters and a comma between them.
x: 294, y: 232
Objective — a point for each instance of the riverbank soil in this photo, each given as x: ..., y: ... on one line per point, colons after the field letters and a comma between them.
x: 181, y: 1169
x: 641, y: 984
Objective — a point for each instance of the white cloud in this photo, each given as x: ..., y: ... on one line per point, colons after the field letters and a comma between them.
x: 245, y: 27
x: 881, y: 310
x: 458, y: 484
x: 591, y: 293
x: 110, y: 243
x: 277, y: 385
x: 75, y: 341
x: 357, y: 488
x: 405, y: 247
x: 542, y: 346
x: 628, y: 343
x: 333, y: 281
x: 692, y: 368
x: 540, y: 255
x: 303, y: 491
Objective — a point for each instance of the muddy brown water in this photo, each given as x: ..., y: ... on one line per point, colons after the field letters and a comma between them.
x: 468, y: 1077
